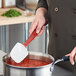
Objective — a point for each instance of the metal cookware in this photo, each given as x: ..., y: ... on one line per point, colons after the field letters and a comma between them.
x: 46, y: 70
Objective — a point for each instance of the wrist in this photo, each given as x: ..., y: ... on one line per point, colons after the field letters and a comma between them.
x: 42, y: 12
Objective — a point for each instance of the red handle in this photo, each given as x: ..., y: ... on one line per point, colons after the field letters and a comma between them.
x: 31, y: 37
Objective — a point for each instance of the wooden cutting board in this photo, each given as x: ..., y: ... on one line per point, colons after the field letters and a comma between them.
x: 15, y: 20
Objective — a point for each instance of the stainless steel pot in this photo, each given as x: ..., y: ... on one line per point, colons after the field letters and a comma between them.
x: 46, y: 70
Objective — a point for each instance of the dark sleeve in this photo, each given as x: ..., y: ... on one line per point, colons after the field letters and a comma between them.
x: 42, y: 3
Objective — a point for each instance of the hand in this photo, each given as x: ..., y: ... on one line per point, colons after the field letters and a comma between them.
x: 39, y: 21
x: 72, y: 56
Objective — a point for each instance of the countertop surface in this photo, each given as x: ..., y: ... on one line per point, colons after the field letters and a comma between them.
x: 16, y: 20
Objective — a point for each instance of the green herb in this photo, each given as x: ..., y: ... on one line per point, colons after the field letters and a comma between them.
x: 11, y: 13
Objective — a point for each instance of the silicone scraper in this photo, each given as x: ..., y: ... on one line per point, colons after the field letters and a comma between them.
x: 19, y: 51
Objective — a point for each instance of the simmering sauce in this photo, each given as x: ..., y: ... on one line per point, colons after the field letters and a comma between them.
x: 28, y: 62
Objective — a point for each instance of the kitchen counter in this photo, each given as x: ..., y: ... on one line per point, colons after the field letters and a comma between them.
x: 15, y: 20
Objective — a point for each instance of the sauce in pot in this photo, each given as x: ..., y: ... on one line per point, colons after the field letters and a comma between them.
x: 27, y: 62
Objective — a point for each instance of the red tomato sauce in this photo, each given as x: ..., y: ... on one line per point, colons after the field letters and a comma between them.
x: 28, y: 63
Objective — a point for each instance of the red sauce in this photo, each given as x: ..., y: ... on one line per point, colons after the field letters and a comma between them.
x: 28, y: 63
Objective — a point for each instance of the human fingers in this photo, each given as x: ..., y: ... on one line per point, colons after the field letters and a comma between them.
x: 75, y: 57
x: 33, y: 26
x: 42, y: 30
x: 72, y: 56
x: 40, y: 25
x: 68, y: 54
x: 72, y: 59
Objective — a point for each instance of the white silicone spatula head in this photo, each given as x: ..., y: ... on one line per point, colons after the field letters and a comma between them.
x: 18, y: 53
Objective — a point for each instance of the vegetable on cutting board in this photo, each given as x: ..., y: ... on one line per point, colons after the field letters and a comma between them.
x: 12, y: 13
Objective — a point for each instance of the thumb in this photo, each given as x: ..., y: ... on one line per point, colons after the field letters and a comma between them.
x: 67, y: 54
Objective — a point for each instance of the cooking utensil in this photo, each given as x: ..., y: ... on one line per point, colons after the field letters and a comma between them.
x: 19, y: 51
x: 31, y: 37
x: 10, y: 70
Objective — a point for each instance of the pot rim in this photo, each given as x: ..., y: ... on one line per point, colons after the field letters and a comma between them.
x: 41, y: 54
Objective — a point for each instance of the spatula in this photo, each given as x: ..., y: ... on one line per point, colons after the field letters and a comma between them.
x: 19, y: 51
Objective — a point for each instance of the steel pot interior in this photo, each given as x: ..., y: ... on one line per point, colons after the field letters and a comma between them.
x: 32, y: 55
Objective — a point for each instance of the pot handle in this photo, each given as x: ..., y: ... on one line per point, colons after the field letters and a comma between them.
x: 65, y: 58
